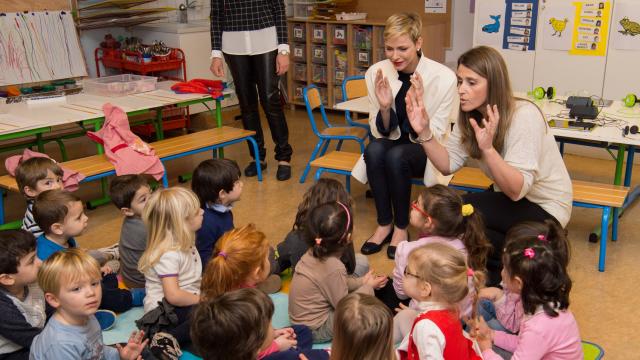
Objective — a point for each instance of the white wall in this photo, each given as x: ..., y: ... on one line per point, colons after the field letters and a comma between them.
x: 461, y: 31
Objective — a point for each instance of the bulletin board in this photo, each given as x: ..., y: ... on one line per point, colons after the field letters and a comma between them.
x: 561, y: 57
x: 436, y: 28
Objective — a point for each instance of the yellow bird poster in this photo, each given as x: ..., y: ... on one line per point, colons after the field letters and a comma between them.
x: 591, y: 28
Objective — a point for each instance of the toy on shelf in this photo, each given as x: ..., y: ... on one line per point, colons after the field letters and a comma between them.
x: 351, y: 16
x: 362, y: 37
x: 340, y: 58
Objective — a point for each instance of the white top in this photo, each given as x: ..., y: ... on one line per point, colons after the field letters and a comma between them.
x: 249, y: 42
x: 440, y: 99
x: 531, y: 148
x: 186, y: 265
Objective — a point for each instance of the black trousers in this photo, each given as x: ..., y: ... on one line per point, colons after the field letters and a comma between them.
x: 258, y: 72
x: 390, y: 166
x: 500, y: 214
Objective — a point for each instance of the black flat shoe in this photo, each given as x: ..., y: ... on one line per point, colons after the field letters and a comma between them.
x: 391, y: 251
x: 369, y: 248
x: 251, y: 170
x: 284, y: 172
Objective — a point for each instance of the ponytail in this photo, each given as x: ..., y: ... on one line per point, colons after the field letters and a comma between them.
x: 475, y: 240
x: 237, y: 255
x: 478, y: 279
x: 328, y: 229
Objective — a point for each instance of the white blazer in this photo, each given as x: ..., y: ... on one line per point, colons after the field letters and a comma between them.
x: 441, y: 101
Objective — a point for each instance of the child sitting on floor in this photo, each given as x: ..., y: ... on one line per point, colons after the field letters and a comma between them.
x: 171, y: 267
x: 320, y: 280
x: 441, y: 217
x: 363, y: 329
x: 294, y: 245
x: 61, y: 216
x: 436, y: 277
x: 218, y: 185
x: 537, y: 271
x: 241, y: 260
x: 34, y: 176
x: 70, y: 280
x: 22, y: 302
x: 129, y: 193
x: 239, y: 323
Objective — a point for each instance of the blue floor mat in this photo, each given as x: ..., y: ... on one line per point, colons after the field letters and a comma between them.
x: 125, y: 324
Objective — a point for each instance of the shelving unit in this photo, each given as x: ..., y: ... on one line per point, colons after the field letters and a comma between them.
x: 324, y: 52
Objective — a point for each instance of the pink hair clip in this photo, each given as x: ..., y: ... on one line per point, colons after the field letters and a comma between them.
x: 542, y: 237
x: 529, y: 252
x: 223, y: 254
x: 469, y: 272
x: 318, y: 241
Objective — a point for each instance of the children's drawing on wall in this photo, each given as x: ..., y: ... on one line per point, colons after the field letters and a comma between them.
x: 557, y: 23
x: 625, y: 25
x: 489, y: 24
x: 520, y: 25
x: 494, y: 27
x: 590, y: 28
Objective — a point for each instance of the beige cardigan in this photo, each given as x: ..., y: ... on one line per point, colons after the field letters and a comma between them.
x: 441, y: 101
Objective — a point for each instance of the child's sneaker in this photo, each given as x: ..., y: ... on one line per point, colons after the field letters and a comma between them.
x: 113, y: 251
x: 164, y: 346
x: 137, y: 296
x: 106, y: 319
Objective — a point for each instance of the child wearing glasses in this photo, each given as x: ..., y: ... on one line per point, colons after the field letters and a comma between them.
x: 441, y: 217
x: 436, y: 277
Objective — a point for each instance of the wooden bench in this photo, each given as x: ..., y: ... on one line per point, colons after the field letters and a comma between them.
x: 585, y: 194
x: 98, y: 166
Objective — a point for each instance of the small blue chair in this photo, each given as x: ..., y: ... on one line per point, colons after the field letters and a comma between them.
x: 354, y: 87
x: 312, y: 100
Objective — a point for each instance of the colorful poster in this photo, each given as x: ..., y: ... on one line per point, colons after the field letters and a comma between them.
x: 625, y: 26
x: 521, y: 17
x: 557, y: 22
x: 591, y: 27
x: 489, y: 24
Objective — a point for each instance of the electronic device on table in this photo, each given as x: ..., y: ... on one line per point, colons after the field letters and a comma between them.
x: 571, y: 124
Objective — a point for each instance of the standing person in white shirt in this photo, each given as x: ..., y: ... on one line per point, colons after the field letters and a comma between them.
x: 511, y: 142
x: 395, y: 155
x: 252, y: 36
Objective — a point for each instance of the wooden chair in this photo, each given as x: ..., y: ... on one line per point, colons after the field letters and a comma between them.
x: 313, y: 101
x: 354, y: 87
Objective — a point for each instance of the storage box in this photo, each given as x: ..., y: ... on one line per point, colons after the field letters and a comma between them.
x: 319, y: 54
x: 120, y: 85
x: 339, y: 35
x: 362, y: 37
x: 319, y: 74
x: 359, y: 71
x: 380, y: 55
x: 323, y: 94
x: 303, y: 9
x: 298, y: 32
x: 298, y: 92
x: 363, y: 57
x: 339, y: 75
x: 299, y: 52
x: 340, y: 58
x: 337, y: 94
x: 319, y: 33
x: 300, y: 72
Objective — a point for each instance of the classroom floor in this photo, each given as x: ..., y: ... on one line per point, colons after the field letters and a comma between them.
x: 603, y: 303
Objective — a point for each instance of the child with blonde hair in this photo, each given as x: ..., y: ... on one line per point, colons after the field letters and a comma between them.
x: 535, y: 262
x: 320, y: 280
x: 441, y: 217
x: 241, y: 260
x: 70, y: 280
x: 171, y: 266
x: 436, y: 277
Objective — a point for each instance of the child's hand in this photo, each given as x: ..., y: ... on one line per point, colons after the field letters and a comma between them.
x: 285, y: 342
x: 491, y: 293
x: 302, y: 357
x: 105, y: 270
x: 481, y: 331
x: 375, y: 281
x: 401, y: 307
x: 134, y: 347
x: 285, y: 332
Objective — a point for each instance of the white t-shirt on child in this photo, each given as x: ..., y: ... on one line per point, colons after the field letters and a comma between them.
x: 185, y: 265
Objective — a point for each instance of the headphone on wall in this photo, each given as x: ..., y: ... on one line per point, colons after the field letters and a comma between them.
x: 630, y: 100
x: 540, y: 93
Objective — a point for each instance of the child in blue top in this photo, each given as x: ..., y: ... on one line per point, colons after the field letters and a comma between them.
x: 217, y: 184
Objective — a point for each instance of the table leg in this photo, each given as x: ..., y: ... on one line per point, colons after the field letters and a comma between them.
x: 158, y: 125
x: 219, y: 122
x: 617, y: 180
x: 92, y: 204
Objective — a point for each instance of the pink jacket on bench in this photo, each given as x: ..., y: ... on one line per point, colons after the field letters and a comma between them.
x: 126, y: 151
x: 70, y: 178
